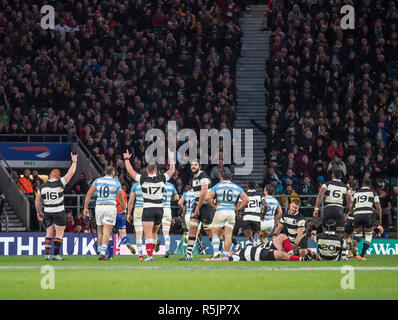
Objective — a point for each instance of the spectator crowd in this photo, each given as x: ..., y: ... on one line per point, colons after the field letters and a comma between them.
x: 332, y: 96
x: 112, y: 70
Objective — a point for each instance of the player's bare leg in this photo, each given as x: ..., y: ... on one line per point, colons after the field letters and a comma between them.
x: 138, y: 238
x: 166, y: 236
x: 366, y: 244
x: 48, y: 241
x: 106, y: 233
x: 264, y: 236
x: 228, y: 238
x: 249, y: 236
x: 99, y: 235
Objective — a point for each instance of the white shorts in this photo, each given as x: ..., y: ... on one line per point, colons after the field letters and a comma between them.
x: 105, y: 214
x: 267, y: 225
x: 137, y: 220
x: 166, y: 215
x: 224, y: 218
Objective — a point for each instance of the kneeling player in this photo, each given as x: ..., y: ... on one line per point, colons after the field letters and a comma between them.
x: 330, y: 245
x: 275, y: 250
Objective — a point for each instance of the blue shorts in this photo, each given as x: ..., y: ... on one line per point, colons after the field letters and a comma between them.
x: 120, y: 222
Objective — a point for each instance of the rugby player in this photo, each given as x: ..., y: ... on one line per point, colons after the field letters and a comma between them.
x: 252, y: 213
x: 365, y: 199
x: 294, y: 222
x: 275, y: 250
x: 227, y: 194
x: 349, y: 223
x: 107, y: 188
x: 170, y: 194
x: 136, y: 200
x: 54, y: 217
x: 271, y: 214
x: 330, y: 244
x: 186, y: 203
x: 152, y: 186
x: 121, y: 224
x: 202, y: 211
x: 336, y: 192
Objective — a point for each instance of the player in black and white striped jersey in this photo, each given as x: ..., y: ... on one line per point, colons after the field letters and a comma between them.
x: 336, y: 193
x: 365, y: 199
x: 294, y: 222
x: 152, y: 186
x: 202, y: 212
x: 252, y: 213
x: 54, y: 216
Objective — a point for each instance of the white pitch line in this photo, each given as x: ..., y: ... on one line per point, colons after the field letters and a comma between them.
x: 260, y: 268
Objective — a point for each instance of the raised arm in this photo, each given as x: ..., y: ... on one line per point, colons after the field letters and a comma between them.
x: 88, y: 198
x: 172, y: 168
x: 72, y: 168
x: 129, y: 168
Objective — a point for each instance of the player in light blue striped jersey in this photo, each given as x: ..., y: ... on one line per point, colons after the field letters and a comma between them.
x: 187, y: 198
x: 106, y: 188
x: 271, y: 214
x: 136, y: 200
x: 169, y: 194
x: 227, y: 195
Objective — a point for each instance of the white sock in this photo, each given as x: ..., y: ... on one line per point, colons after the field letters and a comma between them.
x: 167, y: 242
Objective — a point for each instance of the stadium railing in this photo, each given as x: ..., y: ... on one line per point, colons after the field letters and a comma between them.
x: 15, y: 197
x: 4, y: 220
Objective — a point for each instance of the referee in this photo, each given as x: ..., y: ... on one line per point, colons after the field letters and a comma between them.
x: 54, y: 217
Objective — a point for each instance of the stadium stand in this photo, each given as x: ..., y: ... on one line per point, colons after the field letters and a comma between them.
x: 111, y: 70
x: 333, y: 96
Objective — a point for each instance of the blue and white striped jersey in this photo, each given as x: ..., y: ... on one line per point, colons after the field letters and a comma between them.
x: 227, y: 194
x: 107, y: 189
x: 168, y: 191
x: 139, y: 200
x: 272, y: 207
x: 189, y: 197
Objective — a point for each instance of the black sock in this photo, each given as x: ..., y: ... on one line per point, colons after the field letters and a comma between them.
x: 365, y: 248
x: 234, y: 241
x: 57, y: 246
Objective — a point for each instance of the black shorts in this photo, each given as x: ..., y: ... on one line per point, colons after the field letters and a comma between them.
x: 335, y: 213
x: 154, y: 215
x: 251, y: 225
x: 363, y: 220
x: 206, y: 213
x: 303, y: 244
x: 57, y: 218
x: 267, y: 255
x: 349, y: 225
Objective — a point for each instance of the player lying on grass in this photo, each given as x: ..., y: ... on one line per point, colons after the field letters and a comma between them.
x: 279, y: 249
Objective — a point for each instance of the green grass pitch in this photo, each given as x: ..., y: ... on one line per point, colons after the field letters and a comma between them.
x: 124, y: 277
